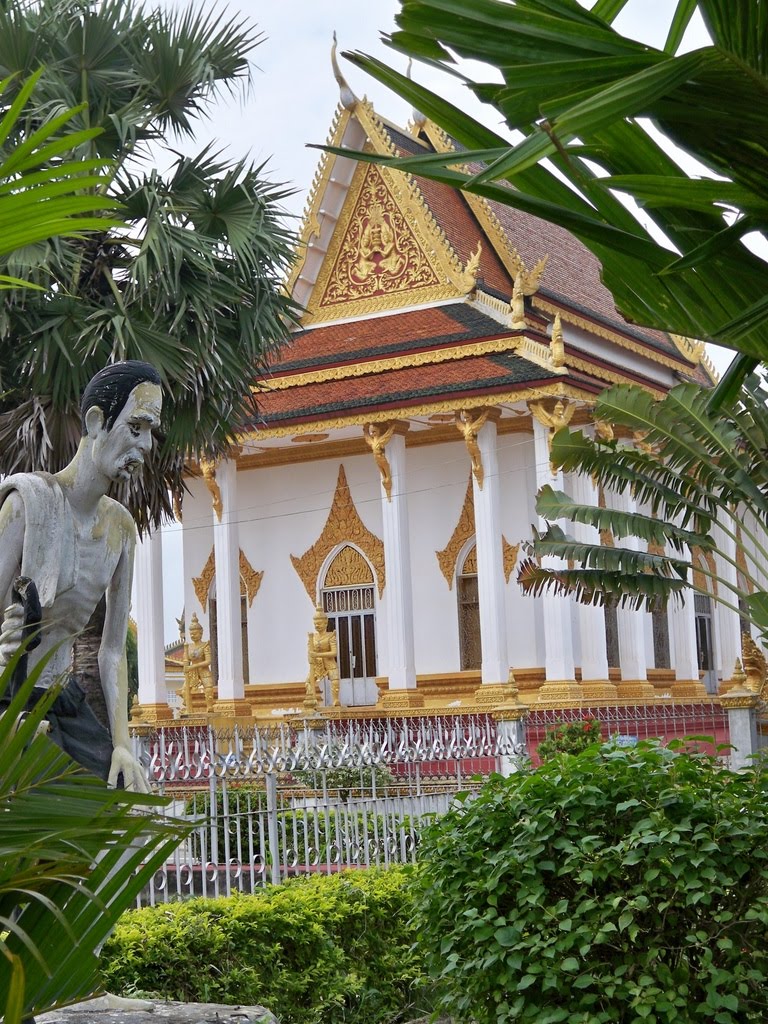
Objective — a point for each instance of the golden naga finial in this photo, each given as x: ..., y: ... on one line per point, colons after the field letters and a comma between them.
x: 346, y: 96
x: 468, y: 280
x: 604, y: 430
x: 526, y: 283
x: 753, y: 660
x: 557, y: 345
x: 208, y: 469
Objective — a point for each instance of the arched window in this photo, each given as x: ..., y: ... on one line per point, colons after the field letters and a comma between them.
x: 468, y: 599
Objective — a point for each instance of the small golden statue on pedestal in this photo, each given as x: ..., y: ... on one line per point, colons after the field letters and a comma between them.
x: 321, y: 651
x: 198, y: 677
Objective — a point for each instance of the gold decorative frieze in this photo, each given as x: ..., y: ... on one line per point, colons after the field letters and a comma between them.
x: 342, y: 527
x: 348, y: 569
x: 377, y: 252
x: 464, y: 530
x: 509, y: 554
x: 250, y: 579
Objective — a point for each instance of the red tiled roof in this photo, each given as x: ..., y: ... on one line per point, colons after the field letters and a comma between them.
x: 375, y: 337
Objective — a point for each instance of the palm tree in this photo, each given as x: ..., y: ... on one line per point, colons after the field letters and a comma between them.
x: 190, y: 283
x: 576, y: 90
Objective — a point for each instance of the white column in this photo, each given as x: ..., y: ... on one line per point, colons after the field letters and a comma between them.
x: 401, y: 669
x: 148, y: 615
x: 558, y: 636
x: 682, y: 620
x: 226, y: 546
x: 591, y: 618
x: 728, y: 622
x: 490, y: 561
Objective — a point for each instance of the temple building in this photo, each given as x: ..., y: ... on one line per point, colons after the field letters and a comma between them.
x: 391, y: 478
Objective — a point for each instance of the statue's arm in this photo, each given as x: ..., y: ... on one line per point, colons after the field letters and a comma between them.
x: 12, y: 523
x: 113, y: 669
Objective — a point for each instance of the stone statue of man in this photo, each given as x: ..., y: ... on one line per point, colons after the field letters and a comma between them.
x: 76, y: 544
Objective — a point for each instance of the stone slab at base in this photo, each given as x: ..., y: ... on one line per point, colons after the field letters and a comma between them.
x: 400, y: 700
x: 106, y: 1009
x: 238, y: 708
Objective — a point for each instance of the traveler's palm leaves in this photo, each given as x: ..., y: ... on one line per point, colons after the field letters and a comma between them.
x: 580, y: 94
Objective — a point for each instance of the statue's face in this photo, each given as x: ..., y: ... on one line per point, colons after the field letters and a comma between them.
x: 119, y: 452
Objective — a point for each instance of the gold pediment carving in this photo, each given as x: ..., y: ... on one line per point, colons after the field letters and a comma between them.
x: 464, y: 530
x: 348, y: 569
x: 250, y: 579
x: 343, y: 527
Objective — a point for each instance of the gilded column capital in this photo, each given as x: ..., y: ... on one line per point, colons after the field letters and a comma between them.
x: 469, y: 423
x: 208, y: 469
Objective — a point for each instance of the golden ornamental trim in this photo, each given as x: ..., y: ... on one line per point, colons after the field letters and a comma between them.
x: 557, y: 389
x: 612, y: 335
x: 509, y: 343
x: 202, y: 583
x: 250, y: 578
x: 464, y: 530
x: 342, y: 527
x: 510, y: 553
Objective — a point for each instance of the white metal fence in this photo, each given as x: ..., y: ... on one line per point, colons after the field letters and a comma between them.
x: 274, y: 803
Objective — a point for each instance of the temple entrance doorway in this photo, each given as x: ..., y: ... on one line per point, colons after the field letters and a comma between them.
x: 351, y: 615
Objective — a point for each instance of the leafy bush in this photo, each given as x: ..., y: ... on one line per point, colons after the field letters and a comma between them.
x: 569, y: 738
x: 320, y: 949
x: 618, y: 885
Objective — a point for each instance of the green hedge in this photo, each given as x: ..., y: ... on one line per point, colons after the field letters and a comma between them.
x: 320, y: 949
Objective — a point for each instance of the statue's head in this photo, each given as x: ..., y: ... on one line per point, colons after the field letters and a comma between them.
x: 320, y: 619
x: 120, y: 408
x: 195, y: 629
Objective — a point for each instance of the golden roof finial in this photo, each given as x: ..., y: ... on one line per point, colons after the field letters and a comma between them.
x: 419, y: 119
x: 347, y: 97
x: 468, y: 281
x: 557, y: 345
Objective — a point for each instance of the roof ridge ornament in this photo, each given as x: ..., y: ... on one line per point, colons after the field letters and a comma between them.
x: 346, y: 96
x: 526, y: 284
x: 418, y: 119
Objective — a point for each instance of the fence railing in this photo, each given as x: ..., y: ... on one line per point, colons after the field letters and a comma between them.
x: 303, y: 798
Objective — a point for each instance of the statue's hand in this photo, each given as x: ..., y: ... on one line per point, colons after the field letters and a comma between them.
x: 125, y: 764
x: 10, y: 637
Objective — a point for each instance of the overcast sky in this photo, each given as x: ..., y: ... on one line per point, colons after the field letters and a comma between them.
x: 294, y: 96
